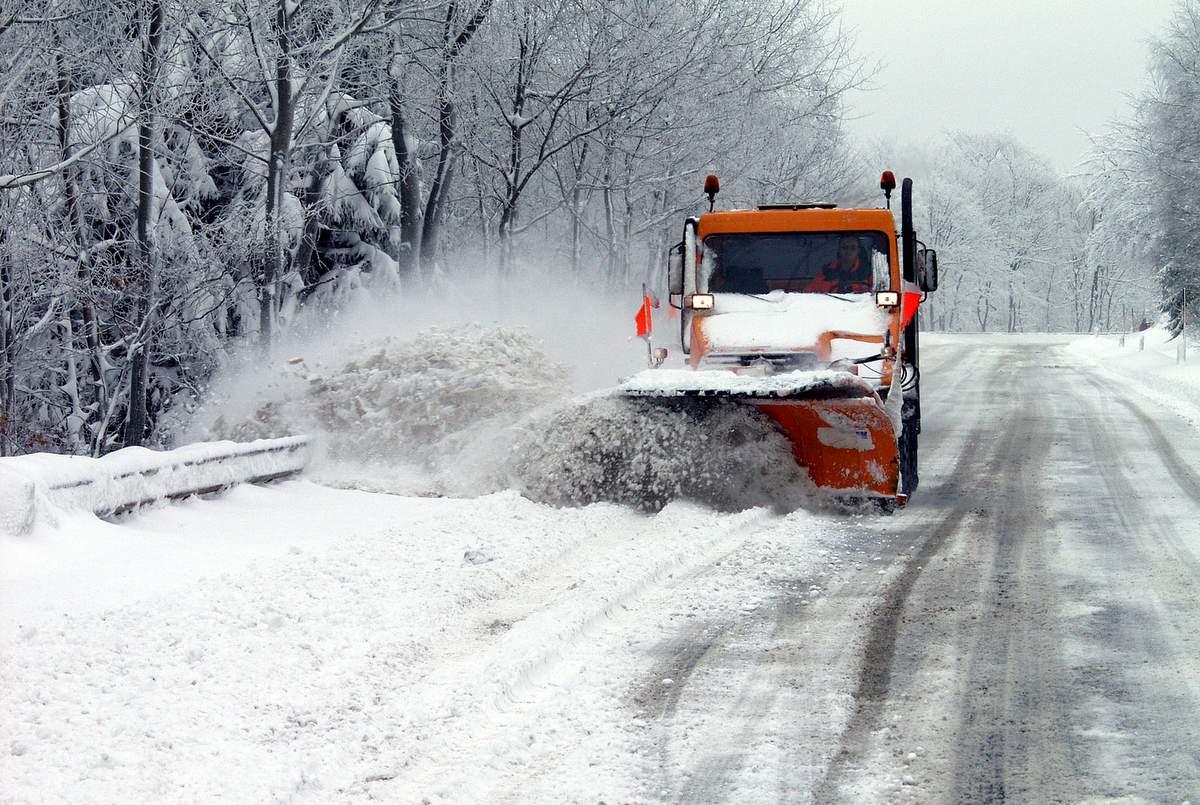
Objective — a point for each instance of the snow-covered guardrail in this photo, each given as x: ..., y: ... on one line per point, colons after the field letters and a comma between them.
x: 135, y: 476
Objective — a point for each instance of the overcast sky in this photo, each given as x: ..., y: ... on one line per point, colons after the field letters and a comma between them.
x: 1046, y: 70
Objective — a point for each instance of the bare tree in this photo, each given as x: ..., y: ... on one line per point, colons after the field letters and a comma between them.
x: 283, y: 100
x: 151, y: 24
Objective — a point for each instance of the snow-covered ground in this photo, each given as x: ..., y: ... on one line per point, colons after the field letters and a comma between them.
x: 298, y: 642
x: 1152, y: 364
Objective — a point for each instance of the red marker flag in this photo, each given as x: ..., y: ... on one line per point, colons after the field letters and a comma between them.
x: 644, y: 319
x: 912, y: 300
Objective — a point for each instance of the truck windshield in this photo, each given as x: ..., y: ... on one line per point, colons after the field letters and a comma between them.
x: 808, y: 262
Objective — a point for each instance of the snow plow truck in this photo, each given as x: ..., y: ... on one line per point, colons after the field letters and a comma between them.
x: 809, y: 313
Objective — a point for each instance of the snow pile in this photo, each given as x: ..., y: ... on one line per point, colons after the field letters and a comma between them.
x: 1152, y: 363
x: 646, y: 454
x: 423, y: 398
x: 17, y: 501
x: 477, y: 410
x: 410, y: 412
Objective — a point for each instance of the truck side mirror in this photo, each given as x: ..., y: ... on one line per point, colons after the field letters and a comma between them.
x: 675, y: 269
x: 927, y: 270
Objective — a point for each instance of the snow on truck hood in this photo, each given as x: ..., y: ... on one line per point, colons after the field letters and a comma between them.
x: 713, y: 382
x: 780, y: 320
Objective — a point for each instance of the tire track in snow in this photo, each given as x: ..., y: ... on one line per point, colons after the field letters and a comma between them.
x: 875, y: 675
x: 471, y: 704
x: 699, y: 649
x: 1186, y: 478
x: 1184, y: 475
x: 1010, y: 715
x: 712, y: 774
x: 1068, y: 683
x: 1137, y: 661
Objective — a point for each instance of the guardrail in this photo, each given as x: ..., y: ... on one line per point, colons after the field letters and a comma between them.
x: 133, y: 477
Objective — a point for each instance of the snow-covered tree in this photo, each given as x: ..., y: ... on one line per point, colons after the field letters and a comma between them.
x: 1005, y: 228
x: 179, y: 178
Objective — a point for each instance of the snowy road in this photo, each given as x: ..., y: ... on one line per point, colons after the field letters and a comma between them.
x: 1042, y: 643
x: 1025, y: 631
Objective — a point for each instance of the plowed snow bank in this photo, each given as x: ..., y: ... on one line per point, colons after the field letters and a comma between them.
x: 478, y: 410
x: 414, y: 401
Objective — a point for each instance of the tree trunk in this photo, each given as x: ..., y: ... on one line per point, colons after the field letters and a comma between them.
x: 504, y: 229
x: 70, y: 385
x: 1012, y: 299
x: 431, y: 225
x: 577, y: 209
x: 278, y: 165
x: 135, y: 424
x: 512, y: 184
x: 452, y: 46
x: 431, y: 222
x: 485, y: 235
x: 410, y: 188
x: 1093, y: 301
x: 77, y: 234
x: 1108, y: 309
x: 983, y: 306
x: 627, y: 223
x: 7, y: 369
x: 1049, y: 296
x: 610, y: 213
x: 307, y: 250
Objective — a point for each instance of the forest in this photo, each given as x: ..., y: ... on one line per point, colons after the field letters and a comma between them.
x: 182, y: 180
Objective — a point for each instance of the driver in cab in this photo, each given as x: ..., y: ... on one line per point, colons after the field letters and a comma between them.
x: 848, y: 272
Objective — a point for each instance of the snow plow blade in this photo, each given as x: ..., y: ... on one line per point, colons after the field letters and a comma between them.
x: 835, y: 421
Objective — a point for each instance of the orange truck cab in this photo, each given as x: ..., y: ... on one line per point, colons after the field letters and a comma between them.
x: 826, y: 299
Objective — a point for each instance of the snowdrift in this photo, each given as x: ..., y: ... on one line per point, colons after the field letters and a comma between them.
x: 412, y: 401
x: 477, y: 410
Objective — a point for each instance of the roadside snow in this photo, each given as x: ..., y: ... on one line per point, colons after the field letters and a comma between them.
x: 1148, y: 363
x: 307, y: 644
x: 81, y: 564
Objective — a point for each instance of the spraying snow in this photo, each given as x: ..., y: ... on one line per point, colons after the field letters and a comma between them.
x: 646, y: 454
x: 413, y: 408
x: 477, y: 410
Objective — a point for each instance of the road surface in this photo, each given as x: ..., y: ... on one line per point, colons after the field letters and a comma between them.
x: 1025, y: 631
x: 1032, y: 638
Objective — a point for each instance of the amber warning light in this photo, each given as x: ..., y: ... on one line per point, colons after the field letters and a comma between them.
x: 887, y: 183
x: 712, y: 186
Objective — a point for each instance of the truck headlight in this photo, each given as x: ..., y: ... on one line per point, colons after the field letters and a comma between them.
x: 701, y: 301
x: 887, y: 298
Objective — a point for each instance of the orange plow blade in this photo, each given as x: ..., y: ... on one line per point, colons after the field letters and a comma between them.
x: 836, y: 423
x: 848, y: 445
